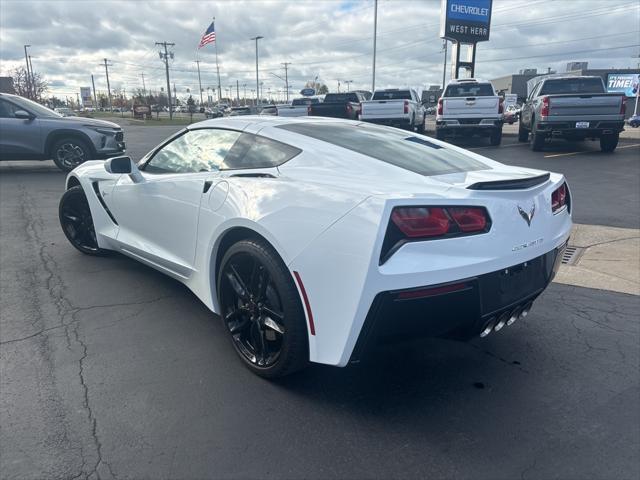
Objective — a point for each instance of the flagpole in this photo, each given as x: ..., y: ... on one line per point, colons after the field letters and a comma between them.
x: 217, y: 66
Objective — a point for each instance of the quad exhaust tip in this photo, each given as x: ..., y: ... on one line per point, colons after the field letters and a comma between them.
x: 495, y: 324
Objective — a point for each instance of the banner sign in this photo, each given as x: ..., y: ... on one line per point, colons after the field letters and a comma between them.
x: 623, y: 83
x: 465, y: 21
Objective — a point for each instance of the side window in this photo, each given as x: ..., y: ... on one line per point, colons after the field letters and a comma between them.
x: 201, y: 150
x: 254, y: 151
x: 7, y: 109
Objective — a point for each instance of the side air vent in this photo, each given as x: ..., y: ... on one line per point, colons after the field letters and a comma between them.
x: 96, y: 189
x: 519, y: 184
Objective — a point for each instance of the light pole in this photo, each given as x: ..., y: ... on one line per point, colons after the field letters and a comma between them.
x: 257, y: 77
x: 375, y: 34
x: 348, y: 82
x: 26, y: 59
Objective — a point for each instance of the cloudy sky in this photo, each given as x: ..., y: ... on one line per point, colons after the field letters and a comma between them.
x: 330, y: 39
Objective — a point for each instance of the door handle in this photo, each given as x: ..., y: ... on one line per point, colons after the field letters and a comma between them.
x: 207, y: 186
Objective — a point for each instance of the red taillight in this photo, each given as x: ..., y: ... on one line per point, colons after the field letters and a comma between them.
x: 421, y: 221
x: 406, y: 106
x: 559, y: 198
x: 501, y: 106
x: 427, y: 222
x: 440, y: 107
x: 623, y: 106
x: 544, y: 111
x: 469, y: 219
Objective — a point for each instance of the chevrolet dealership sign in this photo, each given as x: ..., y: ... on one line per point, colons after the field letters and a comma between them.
x: 465, y: 21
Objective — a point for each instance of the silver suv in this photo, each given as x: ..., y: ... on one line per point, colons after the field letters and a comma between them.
x: 30, y: 131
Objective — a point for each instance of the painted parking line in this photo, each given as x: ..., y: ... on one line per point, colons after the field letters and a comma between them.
x: 587, y: 151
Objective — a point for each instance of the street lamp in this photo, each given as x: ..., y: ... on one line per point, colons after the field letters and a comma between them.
x: 348, y: 82
x: 257, y: 78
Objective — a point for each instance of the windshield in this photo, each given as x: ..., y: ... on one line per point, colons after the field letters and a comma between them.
x: 572, y: 85
x: 304, y: 101
x: 33, y: 107
x: 340, y: 97
x: 469, y: 90
x: 392, y: 95
x: 402, y: 149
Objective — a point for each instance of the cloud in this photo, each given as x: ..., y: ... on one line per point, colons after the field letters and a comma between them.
x: 330, y: 39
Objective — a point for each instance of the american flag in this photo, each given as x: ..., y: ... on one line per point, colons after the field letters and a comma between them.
x: 209, y: 36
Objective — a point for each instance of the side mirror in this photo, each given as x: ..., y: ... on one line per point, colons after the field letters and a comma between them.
x: 123, y: 165
x: 23, y: 115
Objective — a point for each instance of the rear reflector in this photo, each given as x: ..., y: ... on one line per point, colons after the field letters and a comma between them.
x: 430, y: 292
x: 312, y: 327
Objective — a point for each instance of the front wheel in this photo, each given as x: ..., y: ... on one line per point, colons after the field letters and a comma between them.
x: 261, y: 309
x: 608, y: 143
x: 77, y: 223
x: 68, y: 153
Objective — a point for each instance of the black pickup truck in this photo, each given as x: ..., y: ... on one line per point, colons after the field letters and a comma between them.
x: 339, y: 105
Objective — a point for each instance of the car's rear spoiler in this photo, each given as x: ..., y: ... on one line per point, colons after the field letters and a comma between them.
x: 517, y: 184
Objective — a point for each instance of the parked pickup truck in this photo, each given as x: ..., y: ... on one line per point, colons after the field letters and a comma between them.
x: 338, y: 105
x: 573, y: 108
x: 299, y: 107
x: 395, y: 107
x: 470, y: 106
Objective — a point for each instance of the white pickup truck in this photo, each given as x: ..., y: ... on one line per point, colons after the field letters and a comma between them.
x: 395, y: 107
x: 299, y: 107
x: 470, y: 107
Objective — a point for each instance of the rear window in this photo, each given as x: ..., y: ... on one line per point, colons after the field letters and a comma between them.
x: 469, y: 90
x: 392, y: 95
x: 341, y: 97
x: 402, y: 149
x: 253, y: 151
x: 572, y: 85
x: 304, y: 101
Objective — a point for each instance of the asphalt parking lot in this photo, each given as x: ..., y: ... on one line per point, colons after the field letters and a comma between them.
x: 111, y: 370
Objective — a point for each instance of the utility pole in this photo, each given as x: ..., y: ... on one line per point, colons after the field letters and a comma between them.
x: 144, y: 88
x: 95, y: 98
x: 106, y: 71
x: 338, y: 85
x: 257, y: 78
x: 245, y: 94
x: 199, y: 81
x: 348, y: 82
x: 375, y: 34
x: 238, y: 92
x: 78, y: 100
x: 165, y: 57
x: 33, y: 80
x: 444, y: 69
x: 286, y: 77
x: 26, y: 59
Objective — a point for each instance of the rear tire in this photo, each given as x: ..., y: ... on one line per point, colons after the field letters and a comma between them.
x: 261, y: 309
x: 496, y: 138
x: 537, y: 141
x: 523, y: 133
x: 68, y: 153
x: 440, y: 135
x: 608, y: 143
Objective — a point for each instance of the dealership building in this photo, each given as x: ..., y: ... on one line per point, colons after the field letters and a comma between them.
x: 616, y: 80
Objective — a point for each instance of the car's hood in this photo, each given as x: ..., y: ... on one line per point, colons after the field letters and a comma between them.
x: 94, y: 122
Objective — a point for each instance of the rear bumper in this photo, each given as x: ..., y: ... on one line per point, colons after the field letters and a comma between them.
x: 568, y: 129
x: 459, y: 309
x: 390, y: 122
x: 469, y: 125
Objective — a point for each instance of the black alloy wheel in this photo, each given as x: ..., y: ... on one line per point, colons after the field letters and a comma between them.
x: 77, y: 223
x: 261, y: 309
x: 68, y: 153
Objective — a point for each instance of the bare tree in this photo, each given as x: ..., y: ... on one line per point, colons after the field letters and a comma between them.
x: 320, y: 88
x: 21, y: 83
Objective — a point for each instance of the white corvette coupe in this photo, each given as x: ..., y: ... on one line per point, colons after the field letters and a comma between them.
x: 314, y: 239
